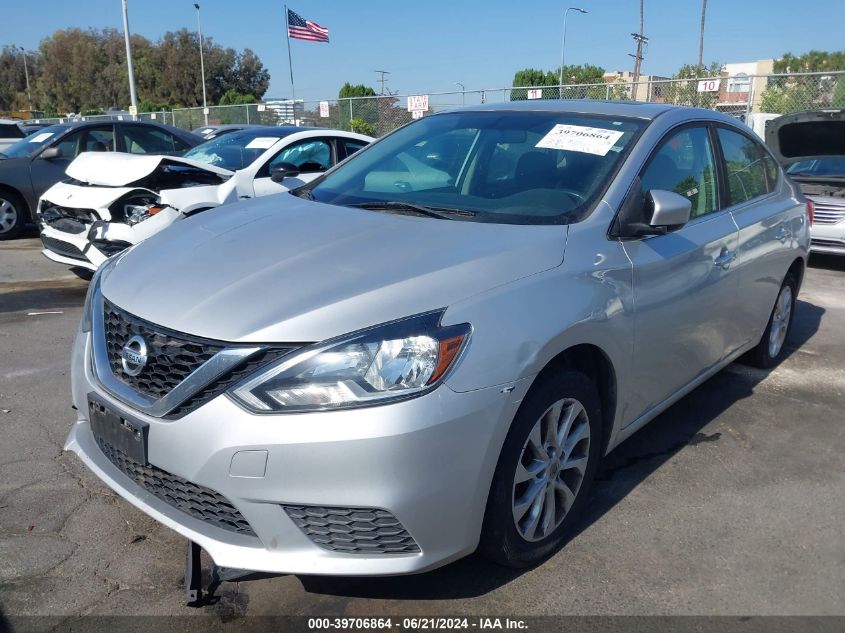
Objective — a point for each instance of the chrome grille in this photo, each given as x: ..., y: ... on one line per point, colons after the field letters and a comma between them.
x: 828, y: 211
x: 197, y: 501
x: 171, y: 356
x: 353, y: 530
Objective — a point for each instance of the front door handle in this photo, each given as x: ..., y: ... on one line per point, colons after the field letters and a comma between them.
x: 783, y: 234
x: 725, y: 259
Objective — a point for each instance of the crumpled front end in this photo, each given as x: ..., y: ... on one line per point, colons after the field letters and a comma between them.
x: 83, y: 226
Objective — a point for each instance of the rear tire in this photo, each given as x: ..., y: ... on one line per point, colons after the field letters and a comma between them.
x: 545, y: 470
x: 771, y: 348
x: 13, y: 215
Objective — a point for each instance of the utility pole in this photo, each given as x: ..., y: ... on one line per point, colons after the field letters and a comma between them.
x: 202, y: 65
x: 641, y: 40
x: 132, y: 96
x: 26, y: 74
x: 701, y: 35
x: 381, y: 79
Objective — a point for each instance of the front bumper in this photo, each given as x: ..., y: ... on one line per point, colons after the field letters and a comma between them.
x: 427, y: 461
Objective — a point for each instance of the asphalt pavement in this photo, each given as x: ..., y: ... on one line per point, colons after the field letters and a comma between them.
x: 731, y: 502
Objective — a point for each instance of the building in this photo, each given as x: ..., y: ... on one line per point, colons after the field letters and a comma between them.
x: 743, y: 86
x: 648, y: 88
x: 287, y: 111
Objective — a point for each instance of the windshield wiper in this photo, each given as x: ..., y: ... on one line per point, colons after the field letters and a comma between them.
x: 443, y: 213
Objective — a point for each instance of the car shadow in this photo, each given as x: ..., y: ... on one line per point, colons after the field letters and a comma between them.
x: 56, y: 294
x: 621, y: 472
x: 828, y: 262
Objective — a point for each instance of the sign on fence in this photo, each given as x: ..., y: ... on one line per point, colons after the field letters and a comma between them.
x: 133, y: 110
x: 417, y: 114
x: 324, y: 109
x: 708, y: 85
x: 417, y: 103
x: 535, y: 93
x: 262, y: 107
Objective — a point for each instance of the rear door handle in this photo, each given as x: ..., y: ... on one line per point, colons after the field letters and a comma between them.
x: 724, y: 260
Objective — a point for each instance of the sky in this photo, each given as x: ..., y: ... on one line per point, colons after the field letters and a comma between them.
x: 430, y: 45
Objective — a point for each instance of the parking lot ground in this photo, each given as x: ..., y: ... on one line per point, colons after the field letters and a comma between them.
x: 731, y: 502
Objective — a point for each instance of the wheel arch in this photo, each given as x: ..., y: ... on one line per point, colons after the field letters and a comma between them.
x: 797, y: 269
x: 593, y: 362
x: 19, y: 194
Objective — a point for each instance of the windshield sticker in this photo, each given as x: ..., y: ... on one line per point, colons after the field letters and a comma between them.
x: 579, y: 138
x: 40, y: 138
x: 261, y: 142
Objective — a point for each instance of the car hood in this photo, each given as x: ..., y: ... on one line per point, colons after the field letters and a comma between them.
x: 117, y: 169
x: 806, y: 135
x: 283, y: 269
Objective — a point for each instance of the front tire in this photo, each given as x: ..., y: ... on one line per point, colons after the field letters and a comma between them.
x: 13, y: 215
x: 545, y: 470
x: 771, y: 348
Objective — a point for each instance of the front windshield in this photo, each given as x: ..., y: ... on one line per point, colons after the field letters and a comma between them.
x: 497, y: 166
x: 235, y: 150
x: 34, y: 142
x: 833, y: 166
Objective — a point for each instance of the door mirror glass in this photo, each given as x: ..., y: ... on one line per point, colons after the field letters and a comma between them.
x: 667, y: 208
x: 51, y: 152
x: 280, y: 171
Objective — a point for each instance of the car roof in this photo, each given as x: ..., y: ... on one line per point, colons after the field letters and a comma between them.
x: 633, y: 109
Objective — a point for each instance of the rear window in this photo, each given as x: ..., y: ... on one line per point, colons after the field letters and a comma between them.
x: 751, y: 171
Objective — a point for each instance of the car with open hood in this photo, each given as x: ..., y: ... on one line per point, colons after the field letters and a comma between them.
x: 32, y: 165
x: 811, y: 146
x: 429, y: 349
x: 110, y: 202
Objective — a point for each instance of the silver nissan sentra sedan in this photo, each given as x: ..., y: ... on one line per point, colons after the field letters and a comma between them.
x: 428, y: 350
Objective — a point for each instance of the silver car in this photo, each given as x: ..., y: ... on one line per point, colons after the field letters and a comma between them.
x: 428, y: 350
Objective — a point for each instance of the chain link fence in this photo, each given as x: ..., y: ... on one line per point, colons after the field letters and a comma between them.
x: 737, y: 95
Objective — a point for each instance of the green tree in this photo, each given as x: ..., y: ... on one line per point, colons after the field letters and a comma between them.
x: 361, y: 126
x: 348, y: 91
x: 574, y: 79
x: 686, y: 92
x: 791, y: 94
x: 233, y: 97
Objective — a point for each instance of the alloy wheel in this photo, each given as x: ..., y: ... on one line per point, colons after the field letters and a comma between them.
x: 551, y: 469
x: 8, y: 216
x: 780, y: 321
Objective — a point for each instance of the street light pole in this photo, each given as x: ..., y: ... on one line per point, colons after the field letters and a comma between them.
x: 26, y: 74
x: 202, y: 66
x: 563, y: 43
x: 132, y: 96
x: 463, y: 93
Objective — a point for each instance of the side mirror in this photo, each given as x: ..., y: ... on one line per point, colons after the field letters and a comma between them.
x: 283, y: 170
x: 667, y: 208
x: 51, y: 152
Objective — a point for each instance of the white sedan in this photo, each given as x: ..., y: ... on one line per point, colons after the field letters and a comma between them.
x: 114, y: 200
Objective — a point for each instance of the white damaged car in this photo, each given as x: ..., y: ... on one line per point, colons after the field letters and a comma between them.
x: 112, y: 201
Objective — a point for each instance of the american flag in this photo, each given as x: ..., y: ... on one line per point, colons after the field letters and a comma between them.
x: 300, y: 29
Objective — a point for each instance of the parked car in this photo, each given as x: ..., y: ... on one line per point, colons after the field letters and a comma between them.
x: 209, y: 132
x: 10, y: 133
x: 33, y: 164
x: 116, y: 200
x: 429, y: 349
x: 811, y: 145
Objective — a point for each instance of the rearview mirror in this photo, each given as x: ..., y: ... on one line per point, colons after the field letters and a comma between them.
x: 667, y: 208
x: 51, y: 153
x: 283, y: 170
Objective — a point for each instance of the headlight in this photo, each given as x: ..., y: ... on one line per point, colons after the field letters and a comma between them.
x: 390, y: 362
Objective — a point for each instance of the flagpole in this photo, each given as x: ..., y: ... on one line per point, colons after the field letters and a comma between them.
x: 290, y: 62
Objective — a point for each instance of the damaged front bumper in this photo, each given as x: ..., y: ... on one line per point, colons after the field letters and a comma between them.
x: 99, y: 239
